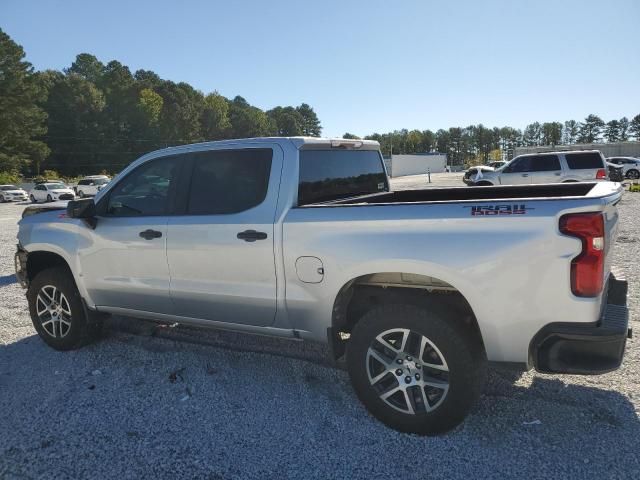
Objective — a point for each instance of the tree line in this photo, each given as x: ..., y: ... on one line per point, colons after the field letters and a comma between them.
x: 479, y: 144
x: 95, y: 117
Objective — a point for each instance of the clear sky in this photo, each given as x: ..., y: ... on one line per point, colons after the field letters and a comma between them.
x: 365, y: 66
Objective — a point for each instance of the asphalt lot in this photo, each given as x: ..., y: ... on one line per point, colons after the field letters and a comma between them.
x: 178, y: 403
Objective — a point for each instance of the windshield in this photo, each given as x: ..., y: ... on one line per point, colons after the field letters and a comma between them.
x: 335, y: 174
x: 54, y: 186
x: 5, y: 188
x: 100, y: 181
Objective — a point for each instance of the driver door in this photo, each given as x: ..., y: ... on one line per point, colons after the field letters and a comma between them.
x: 517, y: 172
x: 125, y: 264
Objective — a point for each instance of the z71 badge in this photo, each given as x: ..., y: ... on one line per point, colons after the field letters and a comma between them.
x: 514, y: 209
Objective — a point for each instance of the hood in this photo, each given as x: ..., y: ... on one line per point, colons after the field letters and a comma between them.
x: 46, y: 207
x: 20, y: 191
x: 62, y: 190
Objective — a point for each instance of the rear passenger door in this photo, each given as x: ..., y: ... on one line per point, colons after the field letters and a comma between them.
x: 220, y: 250
x: 545, y: 169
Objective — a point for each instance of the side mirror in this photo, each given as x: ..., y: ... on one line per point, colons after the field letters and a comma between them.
x: 84, y: 209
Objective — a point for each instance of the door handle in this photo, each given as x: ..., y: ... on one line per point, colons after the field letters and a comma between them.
x: 557, y: 174
x: 150, y: 234
x: 251, y: 236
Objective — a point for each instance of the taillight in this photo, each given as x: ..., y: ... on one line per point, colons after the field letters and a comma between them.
x: 601, y: 174
x: 587, y: 269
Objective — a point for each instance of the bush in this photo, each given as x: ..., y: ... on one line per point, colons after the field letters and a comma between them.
x: 9, y: 177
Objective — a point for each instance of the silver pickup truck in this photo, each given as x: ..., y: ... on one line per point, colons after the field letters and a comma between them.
x: 302, y: 238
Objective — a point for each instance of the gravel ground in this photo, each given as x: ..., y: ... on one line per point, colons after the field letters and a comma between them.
x: 176, y: 403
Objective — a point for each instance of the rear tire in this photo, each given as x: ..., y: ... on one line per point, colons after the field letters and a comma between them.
x: 58, y: 313
x: 633, y: 174
x: 437, y: 372
x: 483, y: 184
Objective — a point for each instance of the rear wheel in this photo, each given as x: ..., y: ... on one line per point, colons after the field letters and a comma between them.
x: 483, y: 184
x: 57, y: 312
x: 415, y: 370
x: 633, y: 174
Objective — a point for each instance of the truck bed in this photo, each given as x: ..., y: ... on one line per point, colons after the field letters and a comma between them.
x: 559, y: 190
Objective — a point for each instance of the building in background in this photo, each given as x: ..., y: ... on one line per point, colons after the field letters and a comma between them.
x: 415, y: 164
x: 614, y: 149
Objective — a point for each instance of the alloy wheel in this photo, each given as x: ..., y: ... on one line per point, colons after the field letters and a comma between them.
x: 54, y: 311
x: 408, y: 371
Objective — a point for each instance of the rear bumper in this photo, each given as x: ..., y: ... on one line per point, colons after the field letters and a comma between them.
x: 585, y: 348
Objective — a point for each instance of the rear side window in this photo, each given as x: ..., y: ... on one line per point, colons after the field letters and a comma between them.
x: 582, y: 161
x: 334, y: 174
x: 545, y: 163
x: 228, y: 181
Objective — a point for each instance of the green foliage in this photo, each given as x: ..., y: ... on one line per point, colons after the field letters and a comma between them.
x: 634, y: 127
x: 21, y: 119
x: 96, y: 116
x: 9, y: 178
x: 590, y: 129
x: 350, y: 136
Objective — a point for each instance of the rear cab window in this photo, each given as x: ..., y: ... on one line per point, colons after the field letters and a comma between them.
x: 327, y: 175
x: 584, y: 160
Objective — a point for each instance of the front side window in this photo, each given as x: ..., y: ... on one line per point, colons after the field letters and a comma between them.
x: 545, y: 163
x: 55, y: 186
x: 145, y: 191
x: 519, y: 165
x: 228, y: 181
x: 583, y: 161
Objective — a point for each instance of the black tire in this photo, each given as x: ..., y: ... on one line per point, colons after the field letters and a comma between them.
x: 80, y: 194
x: 633, y: 174
x: 2, y: 199
x: 84, y: 326
x: 463, y: 357
x: 483, y: 184
x: 49, y: 199
x: 32, y: 198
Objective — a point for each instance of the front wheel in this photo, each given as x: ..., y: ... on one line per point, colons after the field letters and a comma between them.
x: 57, y: 312
x: 49, y: 199
x: 33, y: 199
x: 415, y: 370
x: 2, y: 200
x: 80, y: 194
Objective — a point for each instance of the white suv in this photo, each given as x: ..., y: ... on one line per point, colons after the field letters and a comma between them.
x: 90, y: 186
x: 630, y: 166
x: 551, y: 167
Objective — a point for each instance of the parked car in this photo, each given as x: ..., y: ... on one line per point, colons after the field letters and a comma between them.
x: 11, y: 193
x: 615, y: 172
x: 551, y: 167
x: 91, y: 185
x: 471, y: 174
x: 302, y: 238
x: 49, y: 192
x: 630, y: 166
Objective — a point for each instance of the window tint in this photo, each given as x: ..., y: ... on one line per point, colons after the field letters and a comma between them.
x: 545, y: 163
x: 333, y: 174
x: 84, y: 182
x: 228, y: 181
x: 522, y: 164
x: 577, y: 161
x: 145, y: 191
